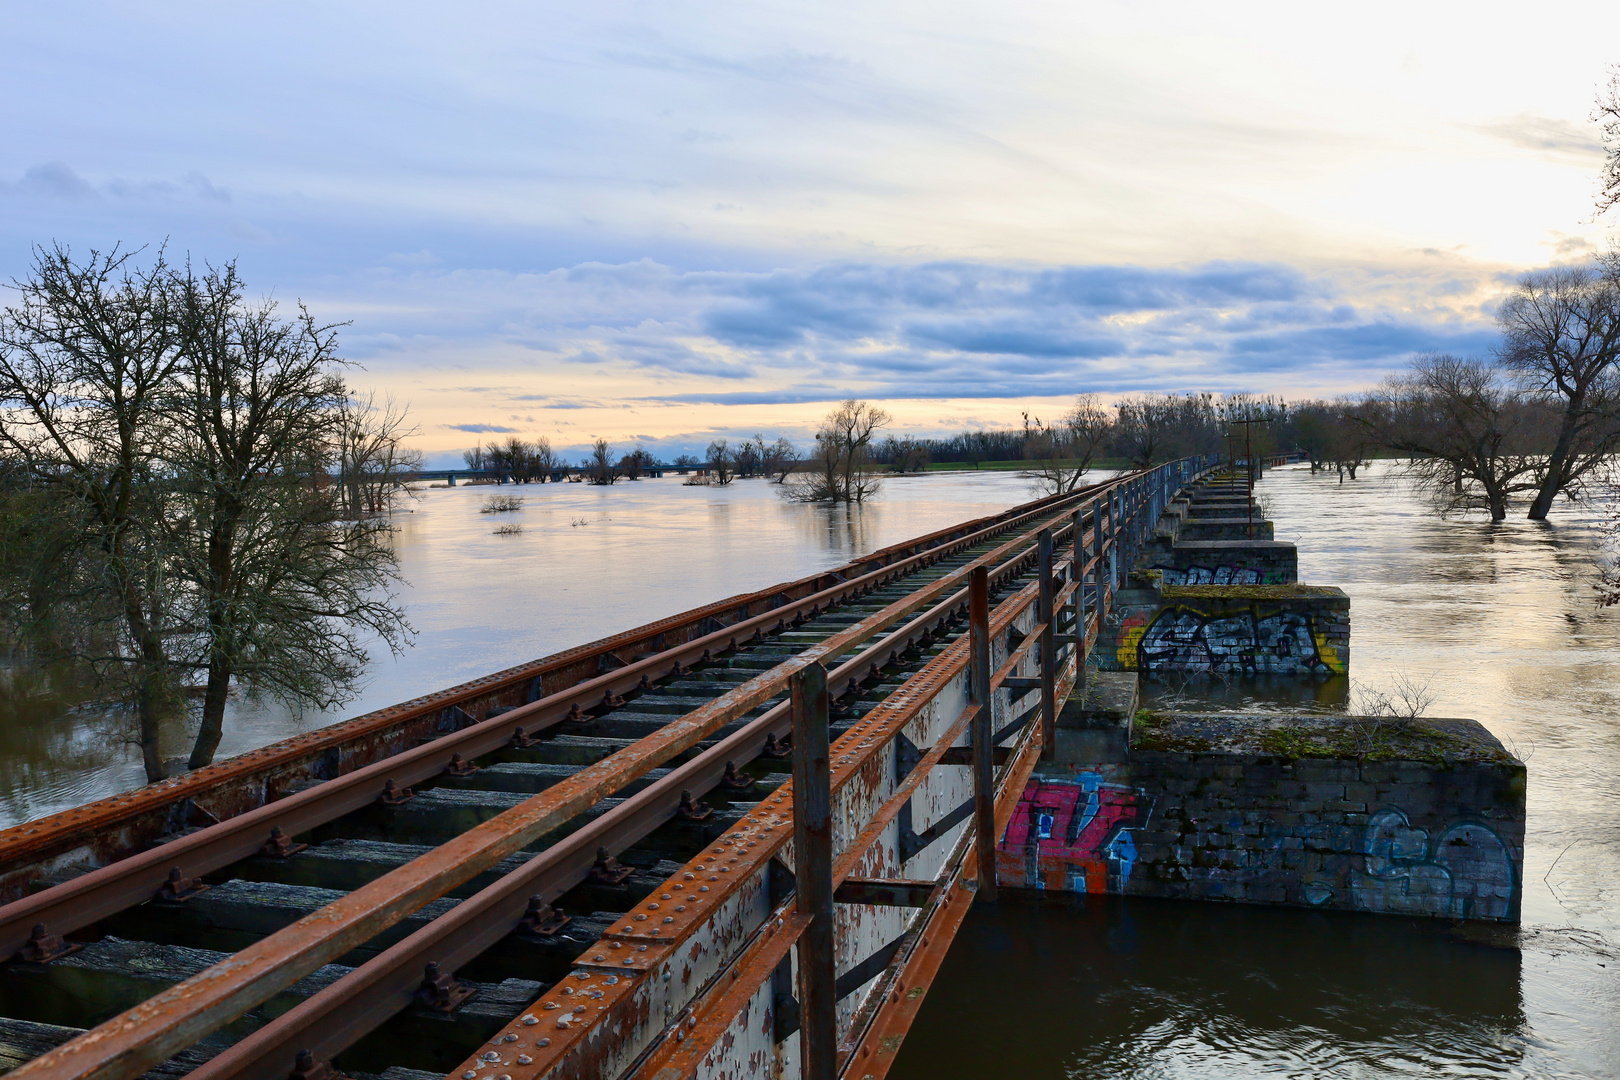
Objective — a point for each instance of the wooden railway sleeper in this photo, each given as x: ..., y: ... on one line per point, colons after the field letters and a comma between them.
x: 404, y: 793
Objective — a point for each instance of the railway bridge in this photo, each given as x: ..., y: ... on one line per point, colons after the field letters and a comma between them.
x: 734, y: 842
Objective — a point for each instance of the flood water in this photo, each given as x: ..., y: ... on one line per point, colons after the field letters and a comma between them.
x: 589, y: 562
x: 1499, y: 621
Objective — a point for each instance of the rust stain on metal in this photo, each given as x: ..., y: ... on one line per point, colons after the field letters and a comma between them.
x: 705, y: 922
x: 112, y: 828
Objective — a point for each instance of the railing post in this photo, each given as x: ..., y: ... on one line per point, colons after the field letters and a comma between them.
x: 1115, y: 540
x: 812, y: 871
x: 984, y: 774
x: 1097, y: 553
x: 1046, y: 616
x: 1079, y: 577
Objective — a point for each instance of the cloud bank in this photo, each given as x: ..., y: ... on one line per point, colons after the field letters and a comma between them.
x: 943, y: 329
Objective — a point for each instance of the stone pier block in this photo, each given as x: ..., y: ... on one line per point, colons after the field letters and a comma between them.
x: 1234, y: 527
x: 1228, y: 562
x: 1240, y: 630
x: 1184, y: 818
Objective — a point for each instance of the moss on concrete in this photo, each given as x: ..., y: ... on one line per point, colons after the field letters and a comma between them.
x: 1438, y: 742
x: 1153, y: 731
x: 1250, y: 592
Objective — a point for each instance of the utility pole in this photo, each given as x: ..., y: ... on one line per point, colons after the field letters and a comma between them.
x: 1249, y: 411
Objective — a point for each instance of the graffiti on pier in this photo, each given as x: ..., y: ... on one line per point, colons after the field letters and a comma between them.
x: 1223, y: 575
x: 1241, y: 642
x: 1467, y: 873
x: 1073, y: 835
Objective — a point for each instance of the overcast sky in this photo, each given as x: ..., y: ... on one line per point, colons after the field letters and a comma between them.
x: 660, y: 221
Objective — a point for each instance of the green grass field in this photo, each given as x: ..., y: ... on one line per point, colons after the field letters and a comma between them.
x: 1014, y: 466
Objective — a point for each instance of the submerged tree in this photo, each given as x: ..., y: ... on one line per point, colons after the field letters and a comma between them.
x: 1154, y: 428
x: 1473, y: 440
x: 86, y: 356
x: 842, y: 468
x: 281, y: 581
x: 599, y: 466
x: 722, y: 462
x: 1060, y: 454
x: 780, y: 459
x: 178, y: 447
x: 372, y: 461
x: 1561, y: 337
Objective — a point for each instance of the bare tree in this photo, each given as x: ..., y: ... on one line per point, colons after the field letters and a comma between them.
x: 600, y: 464
x: 1060, y: 454
x: 1153, y: 428
x: 636, y: 462
x: 372, y: 459
x: 842, y: 468
x: 86, y: 355
x: 1472, y: 438
x: 748, y: 458
x: 1562, y: 339
x: 543, y: 460
x: 904, y: 454
x: 280, y: 583
x: 1350, y: 443
x: 1607, y: 114
x: 475, y: 458
x: 781, y: 459
x: 1310, y: 426
x: 722, y: 462
x: 519, y: 460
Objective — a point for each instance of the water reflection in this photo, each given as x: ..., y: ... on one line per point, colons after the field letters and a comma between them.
x: 1255, y: 693
x: 47, y: 732
x: 1110, y: 988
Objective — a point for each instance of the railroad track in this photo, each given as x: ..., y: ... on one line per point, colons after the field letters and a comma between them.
x: 396, y: 918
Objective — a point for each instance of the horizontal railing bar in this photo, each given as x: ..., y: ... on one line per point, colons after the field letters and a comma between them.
x: 178, y: 1016
x: 332, y: 1019
x: 107, y: 890
x: 884, y: 892
x: 719, y: 1013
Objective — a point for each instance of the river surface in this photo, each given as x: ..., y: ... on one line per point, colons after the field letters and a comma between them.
x: 589, y: 562
x: 1500, y: 622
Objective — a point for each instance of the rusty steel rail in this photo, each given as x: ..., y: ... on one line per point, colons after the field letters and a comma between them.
x: 333, y: 1019
x: 752, y: 842
x: 1115, y: 514
x: 82, y: 901
x: 726, y: 951
x: 114, y: 827
x: 174, y: 1018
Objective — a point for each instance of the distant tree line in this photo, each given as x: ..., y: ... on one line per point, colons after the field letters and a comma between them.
x: 726, y: 461
x: 515, y: 461
x: 189, y: 491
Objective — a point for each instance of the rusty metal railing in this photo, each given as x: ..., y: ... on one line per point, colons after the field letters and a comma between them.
x: 118, y: 826
x: 699, y: 979
x: 179, y: 1016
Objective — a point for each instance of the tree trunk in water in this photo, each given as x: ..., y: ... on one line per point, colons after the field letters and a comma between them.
x: 1555, y: 479
x: 152, y: 698
x: 213, y: 716
x: 1498, y: 504
x: 147, y: 707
